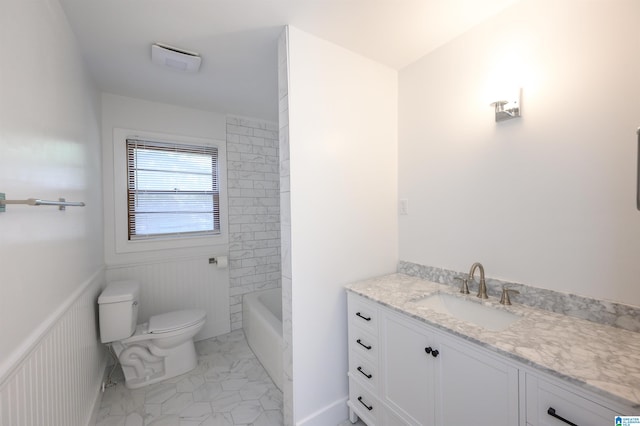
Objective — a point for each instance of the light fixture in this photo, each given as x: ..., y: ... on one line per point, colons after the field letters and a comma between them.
x: 175, y: 58
x: 508, y: 107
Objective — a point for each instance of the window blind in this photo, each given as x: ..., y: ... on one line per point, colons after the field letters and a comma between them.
x: 173, y: 190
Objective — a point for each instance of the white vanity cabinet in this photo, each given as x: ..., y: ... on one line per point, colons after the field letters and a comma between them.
x: 473, y: 385
x: 429, y: 378
x: 410, y: 365
x: 408, y: 372
x: 403, y: 371
x: 416, y: 375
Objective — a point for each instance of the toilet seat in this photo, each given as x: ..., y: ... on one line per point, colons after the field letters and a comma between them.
x: 167, y: 326
x: 176, y: 320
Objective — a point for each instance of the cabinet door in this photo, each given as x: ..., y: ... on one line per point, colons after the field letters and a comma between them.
x: 473, y: 387
x: 407, y: 370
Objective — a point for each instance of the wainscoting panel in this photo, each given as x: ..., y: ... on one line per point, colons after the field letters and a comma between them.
x: 183, y: 283
x: 57, y: 379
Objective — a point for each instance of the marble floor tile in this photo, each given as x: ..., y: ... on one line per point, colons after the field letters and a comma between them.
x: 229, y: 387
x: 269, y: 418
x: 246, y: 412
x: 159, y: 394
x: 226, y: 401
x: 348, y: 423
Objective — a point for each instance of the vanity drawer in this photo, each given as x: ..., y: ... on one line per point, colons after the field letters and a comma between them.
x: 363, y: 313
x: 363, y: 370
x: 548, y: 405
x: 363, y: 403
x: 363, y: 344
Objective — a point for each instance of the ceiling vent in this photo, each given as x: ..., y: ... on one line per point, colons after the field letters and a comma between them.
x: 175, y: 58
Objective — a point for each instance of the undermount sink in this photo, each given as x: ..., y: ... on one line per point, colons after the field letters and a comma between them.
x: 469, y: 311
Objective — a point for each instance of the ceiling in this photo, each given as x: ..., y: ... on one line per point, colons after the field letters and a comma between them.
x: 237, y: 42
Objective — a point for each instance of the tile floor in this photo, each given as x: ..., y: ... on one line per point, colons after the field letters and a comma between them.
x: 228, y: 387
x: 348, y: 423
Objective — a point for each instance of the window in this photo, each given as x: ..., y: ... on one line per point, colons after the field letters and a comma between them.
x: 173, y: 190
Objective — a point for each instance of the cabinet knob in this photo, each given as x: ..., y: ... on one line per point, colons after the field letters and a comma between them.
x: 434, y: 352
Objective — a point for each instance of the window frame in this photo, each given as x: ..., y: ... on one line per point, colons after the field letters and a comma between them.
x: 122, y: 242
x: 135, y: 193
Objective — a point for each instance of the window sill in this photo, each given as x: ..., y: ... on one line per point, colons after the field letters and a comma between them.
x: 172, y: 243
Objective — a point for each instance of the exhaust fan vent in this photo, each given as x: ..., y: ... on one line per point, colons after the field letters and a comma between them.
x: 175, y: 58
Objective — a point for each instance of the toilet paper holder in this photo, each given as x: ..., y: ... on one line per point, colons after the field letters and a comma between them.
x: 221, y: 261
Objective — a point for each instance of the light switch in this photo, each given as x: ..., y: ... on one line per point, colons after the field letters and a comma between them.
x: 404, y: 207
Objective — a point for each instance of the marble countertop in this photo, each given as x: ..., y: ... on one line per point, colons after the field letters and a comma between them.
x: 599, y: 358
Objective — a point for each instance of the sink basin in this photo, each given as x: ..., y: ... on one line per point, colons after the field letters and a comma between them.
x: 469, y: 311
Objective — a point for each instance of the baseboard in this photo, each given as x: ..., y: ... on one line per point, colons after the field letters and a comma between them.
x: 330, y: 415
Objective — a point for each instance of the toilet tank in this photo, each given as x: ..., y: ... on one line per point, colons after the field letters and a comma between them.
x: 118, y: 310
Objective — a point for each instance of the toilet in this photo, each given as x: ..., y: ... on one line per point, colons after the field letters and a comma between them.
x: 152, y: 351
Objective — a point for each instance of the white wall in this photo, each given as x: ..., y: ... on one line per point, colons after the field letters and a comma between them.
x: 548, y: 199
x: 343, y: 177
x: 49, y: 148
x: 178, y: 277
x: 285, y: 227
x: 51, y: 261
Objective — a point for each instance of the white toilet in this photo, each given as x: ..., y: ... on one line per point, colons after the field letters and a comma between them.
x: 151, y: 351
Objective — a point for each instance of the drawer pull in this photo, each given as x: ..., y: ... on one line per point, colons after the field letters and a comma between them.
x: 368, y: 376
x: 368, y: 407
x: 363, y: 317
x: 363, y: 345
x: 552, y: 412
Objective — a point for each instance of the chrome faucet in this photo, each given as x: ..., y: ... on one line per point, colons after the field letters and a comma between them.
x: 482, y: 288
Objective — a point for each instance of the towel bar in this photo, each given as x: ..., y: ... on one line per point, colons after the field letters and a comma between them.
x: 61, y: 203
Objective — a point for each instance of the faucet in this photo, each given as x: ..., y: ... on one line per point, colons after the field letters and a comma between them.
x: 482, y: 288
x: 505, y: 299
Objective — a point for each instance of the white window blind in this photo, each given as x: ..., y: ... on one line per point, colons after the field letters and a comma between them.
x: 173, y: 190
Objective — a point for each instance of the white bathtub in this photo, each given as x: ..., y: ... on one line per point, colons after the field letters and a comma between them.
x: 262, y: 324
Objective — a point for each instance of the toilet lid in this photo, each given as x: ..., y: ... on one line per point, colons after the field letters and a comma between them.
x: 175, y: 320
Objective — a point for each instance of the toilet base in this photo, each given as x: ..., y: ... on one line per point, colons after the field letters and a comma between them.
x: 144, y: 363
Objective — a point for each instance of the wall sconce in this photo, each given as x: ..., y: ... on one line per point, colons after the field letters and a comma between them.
x: 507, y: 109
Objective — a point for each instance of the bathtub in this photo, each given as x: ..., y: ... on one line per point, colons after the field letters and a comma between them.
x: 262, y: 324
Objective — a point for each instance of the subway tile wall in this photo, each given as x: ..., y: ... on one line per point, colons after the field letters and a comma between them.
x: 253, y: 177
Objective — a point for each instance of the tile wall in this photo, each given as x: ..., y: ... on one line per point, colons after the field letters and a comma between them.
x: 254, y: 209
